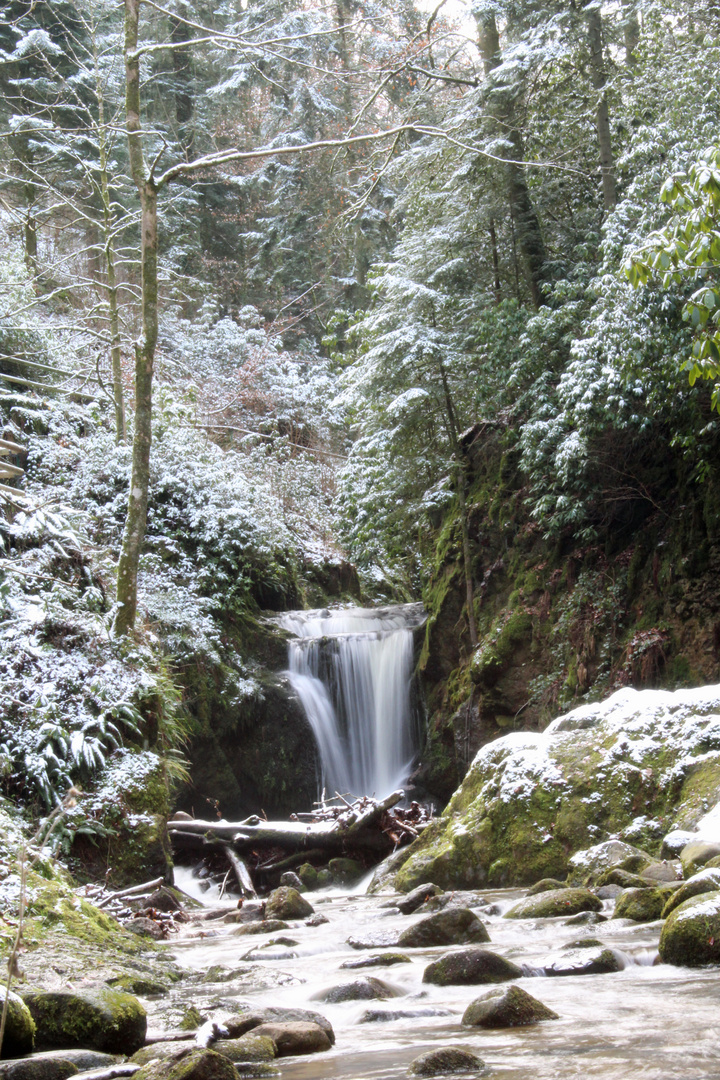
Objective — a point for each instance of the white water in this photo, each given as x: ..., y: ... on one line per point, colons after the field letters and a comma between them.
x: 351, y: 669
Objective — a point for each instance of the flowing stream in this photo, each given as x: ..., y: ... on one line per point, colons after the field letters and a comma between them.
x: 648, y: 1021
x: 352, y: 670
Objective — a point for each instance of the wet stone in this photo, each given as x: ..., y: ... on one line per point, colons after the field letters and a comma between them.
x: 691, y: 934
x: 381, y: 960
x: 287, y: 903
x: 586, y: 918
x: 295, y: 1037
x: 38, y: 1067
x: 642, y: 905
x: 592, y: 961
x: 470, y: 967
x: 19, y: 1026
x: 249, y: 1021
x: 317, y: 919
x: 506, y: 1007
x: 98, y: 1018
x: 556, y: 902
x: 267, y: 926
x: 290, y: 879
x: 384, y: 1016
x: 418, y: 896
x: 187, y: 1064
x: 446, y: 1060
x: 250, y: 1047
x: 705, y: 881
x: 373, y: 941
x: 367, y: 989
x: 546, y: 885
x: 459, y: 926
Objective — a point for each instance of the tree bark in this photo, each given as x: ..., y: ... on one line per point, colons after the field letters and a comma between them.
x: 631, y: 34
x: 598, y: 76
x: 134, y: 532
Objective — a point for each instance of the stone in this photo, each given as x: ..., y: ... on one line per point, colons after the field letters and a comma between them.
x: 642, y: 905
x: 345, y: 871
x: 267, y: 926
x: 155, y: 1051
x: 458, y: 926
x: 250, y: 1047
x: 707, y: 880
x: 608, y: 892
x: 98, y: 1018
x: 591, y: 961
x: 83, y: 1060
x: 546, y: 884
x: 163, y: 899
x: 695, y: 854
x: 691, y: 934
x: 318, y: 919
x: 145, y: 927
x: 249, y: 1021
x: 189, y: 1064
x: 381, y: 940
x: 308, y: 875
x: 19, y: 1037
x: 295, y: 1037
x: 469, y: 967
x: 365, y: 989
x: 506, y: 1007
x: 380, y: 1016
x: 622, y: 878
x: 255, y: 1068
x: 674, y: 842
x: 586, y: 918
x: 549, y: 905
x: 293, y: 881
x: 138, y: 984
x: 324, y: 878
x: 287, y: 903
x: 592, y: 862
x: 663, y: 872
x: 385, y: 959
x: 418, y: 896
x: 446, y: 1060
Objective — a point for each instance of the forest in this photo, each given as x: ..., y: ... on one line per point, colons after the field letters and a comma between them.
x: 303, y: 302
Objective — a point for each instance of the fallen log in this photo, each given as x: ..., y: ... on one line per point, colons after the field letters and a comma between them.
x: 134, y: 890
x: 241, y: 872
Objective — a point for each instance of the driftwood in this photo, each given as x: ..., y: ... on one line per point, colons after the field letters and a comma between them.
x: 241, y: 872
x: 147, y: 887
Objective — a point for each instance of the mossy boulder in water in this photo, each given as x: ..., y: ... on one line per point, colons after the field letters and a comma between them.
x: 249, y: 1047
x: 546, y: 884
x: 469, y: 967
x: 445, y: 1061
x: 38, y: 1068
x: 642, y: 905
x: 696, y: 854
x: 345, y: 871
x: 548, y: 905
x: 707, y: 880
x: 506, y: 1007
x: 295, y: 1037
x: 19, y: 1036
x: 99, y: 1018
x: 592, y: 961
x: 287, y: 903
x: 530, y: 800
x: 364, y: 989
x: 691, y: 934
x: 189, y: 1065
x: 417, y: 897
x: 458, y: 926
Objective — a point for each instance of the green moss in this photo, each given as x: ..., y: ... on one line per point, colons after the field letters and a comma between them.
x: 496, y: 649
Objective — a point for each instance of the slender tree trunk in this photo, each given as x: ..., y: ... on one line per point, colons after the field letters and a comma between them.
x: 30, y: 228
x: 631, y: 33
x: 495, y: 261
x: 598, y: 75
x: 182, y: 69
x: 527, y: 224
x: 134, y: 532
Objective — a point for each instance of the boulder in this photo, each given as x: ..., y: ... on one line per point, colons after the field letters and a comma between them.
x: 549, y: 905
x: 189, y: 1064
x: 418, y: 896
x: 506, y: 1007
x: 163, y: 899
x: 38, y: 1067
x: 448, y: 1059
x: 293, y: 881
x: 146, y: 928
x: 139, y: 984
x: 98, y: 1018
x: 546, y: 884
x: 267, y: 926
x: 705, y: 881
x: 83, y: 1060
x: 591, y: 961
x: 365, y: 989
x: 623, y: 878
x: 385, y: 959
x: 249, y: 1021
x: 345, y: 871
x: 586, y: 918
x: 691, y: 934
x: 324, y: 878
x: 318, y: 919
x: 674, y: 842
x: 287, y: 903
x: 380, y: 1016
x: 663, y: 872
x: 642, y: 905
x: 308, y: 875
x: 19, y: 1037
x: 295, y: 1037
x: 458, y: 926
x: 695, y: 854
x: 590, y: 864
x: 469, y: 967
x: 381, y: 940
x: 249, y: 1047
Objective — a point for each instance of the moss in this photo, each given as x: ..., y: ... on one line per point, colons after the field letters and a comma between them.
x: 98, y: 1018
x: 700, y: 790
x: 642, y: 905
x: 496, y: 649
x: 691, y: 934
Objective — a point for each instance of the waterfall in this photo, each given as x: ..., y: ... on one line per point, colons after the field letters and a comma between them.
x: 352, y: 670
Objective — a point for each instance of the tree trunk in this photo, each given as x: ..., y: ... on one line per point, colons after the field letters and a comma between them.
x: 598, y: 75
x: 112, y: 289
x: 631, y: 33
x: 134, y: 532
x: 182, y: 69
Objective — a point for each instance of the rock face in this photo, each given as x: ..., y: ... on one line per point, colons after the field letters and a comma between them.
x: 459, y: 926
x: 287, y: 903
x: 98, y: 1018
x: 530, y: 800
x: 547, y: 905
x: 19, y: 1035
x: 507, y: 1007
x: 691, y: 934
x: 449, y: 1059
x: 470, y: 967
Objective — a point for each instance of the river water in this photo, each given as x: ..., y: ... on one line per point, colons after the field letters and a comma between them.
x: 648, y: 1021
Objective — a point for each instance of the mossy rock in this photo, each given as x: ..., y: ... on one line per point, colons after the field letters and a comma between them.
x: 418, y: 897
x: 308, y: 875
x: 696, y: 854
x: 506, y: 1007
x: 287, y: 903
x: 20, y: 1029
x: 547, y: 884
x: 345, y: 871
x: 707, y: 880
x: 446, y: 1061
x: 38, y: 1068
x: 247, y: 1048
x: 139, y: 984
x: 295, y: 1037
x: 642, y: 905
x: 266, y: 926
x: 458, y: 926
x: 471, y: 967
x: 691, y: 934
x: 246, y: 1021
x: 386, y: 959
x: 365, y: 989
x: 189, y: 1065
x: 549, y: 905
x: 623, y: 878
x: 593, y: 961
x: 98, y: 1018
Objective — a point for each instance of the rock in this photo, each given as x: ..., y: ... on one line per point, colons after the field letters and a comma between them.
x: 448, y: 1059
x: 506, y: 1007
x: 255, y: 1068
x: 374, y: 941
x: 19, y: 1037
x: 663, y: 872
x: 458, y: 926
x: 295, y: 1037
x: 249, y: 1021
x: 324, y: 878
x: 308, y: 875
x: 147, y: 927
x: 163, y: 899
x: 138, y: 984
x: 549, y: 905
x: 623, y: 879
x: 249, y: 1047
x: 707, y: 880
x: 317, y: 919
x: 98, y: 1018
x: 155, y: 1051
x: 189, y: 1064
x: 381, y: 1016
x: 642, y: 905
x: 418, y: 896
x: 594, y: 861
x: 608, y: 892
x: 592, y: 961
x: 381, y: 960
x: 287, y: 903
x: 469, y: 967
x: 345, y: 871
x: 191, y: 1018
x: 586, y: 918
x: 695, y: 854
x: 292, y: 881
x: 267, y: 926
x: 365, y: 989
x: 674, y: 842
x: 691, y: 934
x: 83, y: 1060
x: 546, y: 884
x: 38, y: 1067
x: 637, y: 863
x: 585, y: 943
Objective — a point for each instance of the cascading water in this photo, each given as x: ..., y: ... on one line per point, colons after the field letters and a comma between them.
x: 352, y: 670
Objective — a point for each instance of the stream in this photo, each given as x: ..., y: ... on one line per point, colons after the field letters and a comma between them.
x: 649, y: 1020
